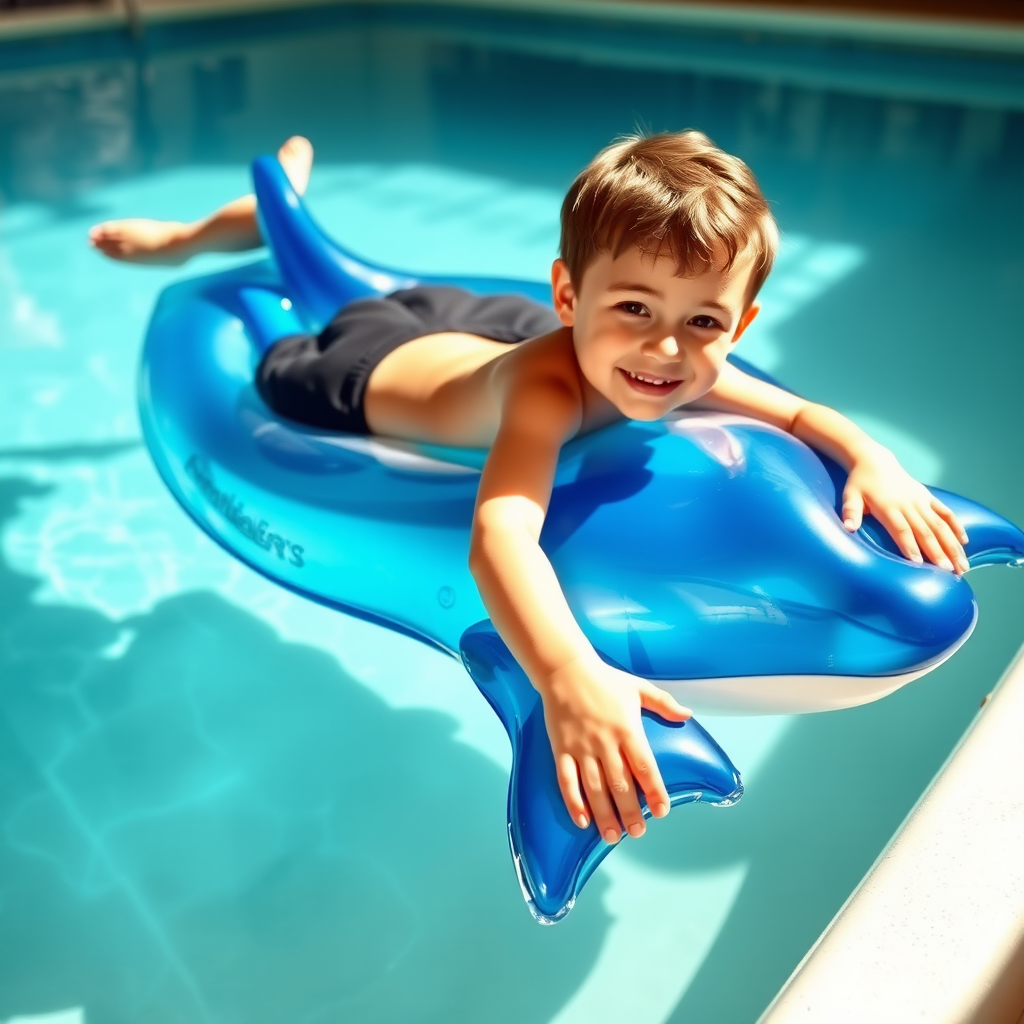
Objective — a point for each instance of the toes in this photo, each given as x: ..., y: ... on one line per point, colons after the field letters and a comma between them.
x: 107, y: 242
x: 103, y: 243
x: 297, y: 146
x: 296, y: 157
x: 107, y: 233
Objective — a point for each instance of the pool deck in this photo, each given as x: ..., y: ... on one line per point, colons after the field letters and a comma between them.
x: 936, y: 930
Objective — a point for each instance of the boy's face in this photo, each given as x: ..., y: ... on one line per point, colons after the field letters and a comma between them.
x: 646, y: 339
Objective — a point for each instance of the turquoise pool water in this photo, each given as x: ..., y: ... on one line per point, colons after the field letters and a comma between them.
x: 223, y: 804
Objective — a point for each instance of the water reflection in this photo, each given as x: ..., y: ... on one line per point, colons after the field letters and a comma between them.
x: 493, y: 96
x: 67, y: 133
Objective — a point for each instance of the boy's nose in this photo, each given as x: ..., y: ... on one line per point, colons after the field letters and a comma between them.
x: 667, y: 348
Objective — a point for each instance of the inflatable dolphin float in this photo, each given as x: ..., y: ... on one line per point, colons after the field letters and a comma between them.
x: 703, y: 552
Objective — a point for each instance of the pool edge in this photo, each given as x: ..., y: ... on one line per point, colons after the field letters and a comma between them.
x: 935, y: 931
x: 961, y: 32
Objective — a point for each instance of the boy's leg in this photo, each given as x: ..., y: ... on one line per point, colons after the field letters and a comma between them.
x: 232, y: 228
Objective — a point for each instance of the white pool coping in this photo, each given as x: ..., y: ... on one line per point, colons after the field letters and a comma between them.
x: 935, y: 932
x: 961, y: 32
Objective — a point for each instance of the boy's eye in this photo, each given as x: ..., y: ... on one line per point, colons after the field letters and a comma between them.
x: 706, y: 323
x: 633, y: 308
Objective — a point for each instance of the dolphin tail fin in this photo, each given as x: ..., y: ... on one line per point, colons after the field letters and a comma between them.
x: 498, y: 677
x: 319, y: 274
x: 553, y: 857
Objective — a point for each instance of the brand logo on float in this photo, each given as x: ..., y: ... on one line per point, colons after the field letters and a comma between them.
x: 255, y: 529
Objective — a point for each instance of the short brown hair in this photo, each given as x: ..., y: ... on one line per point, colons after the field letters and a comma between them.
x: 675, y: 193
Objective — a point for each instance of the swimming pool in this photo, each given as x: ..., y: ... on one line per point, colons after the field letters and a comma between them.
x: 192, y: 827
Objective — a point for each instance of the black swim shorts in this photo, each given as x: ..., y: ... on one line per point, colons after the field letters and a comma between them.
x: 321, y: 380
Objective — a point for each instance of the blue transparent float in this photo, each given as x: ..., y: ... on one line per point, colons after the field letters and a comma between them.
x: 746, y: 594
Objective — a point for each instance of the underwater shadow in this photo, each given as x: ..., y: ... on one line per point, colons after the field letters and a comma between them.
x: 203, y: 822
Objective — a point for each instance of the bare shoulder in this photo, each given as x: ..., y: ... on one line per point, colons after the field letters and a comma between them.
x: 540, y: 390
x: 540, y: 407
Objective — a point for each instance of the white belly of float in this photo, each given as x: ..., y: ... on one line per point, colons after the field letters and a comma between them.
x: 790, y: 695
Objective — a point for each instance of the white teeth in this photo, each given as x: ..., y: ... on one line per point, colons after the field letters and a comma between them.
x: 646, y: 380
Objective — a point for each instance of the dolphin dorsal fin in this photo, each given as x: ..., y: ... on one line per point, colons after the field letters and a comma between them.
x: 319, y: 275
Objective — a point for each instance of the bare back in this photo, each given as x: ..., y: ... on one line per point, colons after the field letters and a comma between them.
x: 451, y: 388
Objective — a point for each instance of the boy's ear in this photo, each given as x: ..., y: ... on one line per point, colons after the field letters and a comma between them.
x: 563, y: 295
x: 746, y: 320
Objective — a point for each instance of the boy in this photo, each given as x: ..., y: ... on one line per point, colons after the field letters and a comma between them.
x: 665, y: 243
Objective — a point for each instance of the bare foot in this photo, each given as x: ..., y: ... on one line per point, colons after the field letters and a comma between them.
x: 139, y: 240
x: 296, y: 157
x: 232, y: 228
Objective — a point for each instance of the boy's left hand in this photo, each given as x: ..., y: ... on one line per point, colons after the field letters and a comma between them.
x: 918, y: 521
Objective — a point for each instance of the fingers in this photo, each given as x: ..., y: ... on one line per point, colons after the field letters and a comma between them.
x: 661, y: 702
x: 924, y: 533
x: 623, y: 791
x: 927, y: 541
x: 642, y: 764
x: 611, y: 793
x: 853, y: 509
x: 605, y: 766
x: 947, y: 515
x: 600, y: 800
x: 900, y: 531
x: 612, y: 796
x: 569, y: 784
x: 947, y: 541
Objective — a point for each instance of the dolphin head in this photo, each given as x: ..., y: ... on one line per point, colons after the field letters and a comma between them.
x: 708, y: 547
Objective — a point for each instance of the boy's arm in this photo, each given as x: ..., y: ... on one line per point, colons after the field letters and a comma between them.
x: 592, y: 711
x: 877, y: 483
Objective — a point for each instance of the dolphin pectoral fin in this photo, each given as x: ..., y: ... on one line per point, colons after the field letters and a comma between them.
x: 993, y: 540
x: 553, y: 857
x: 319, y: 275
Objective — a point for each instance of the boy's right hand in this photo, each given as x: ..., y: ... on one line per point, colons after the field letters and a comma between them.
x: 592, y: 712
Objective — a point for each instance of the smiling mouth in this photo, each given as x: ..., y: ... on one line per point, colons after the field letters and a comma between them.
x: 648, y: 384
